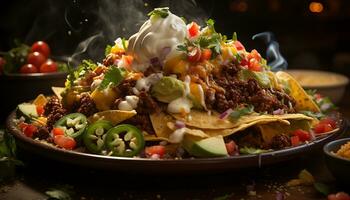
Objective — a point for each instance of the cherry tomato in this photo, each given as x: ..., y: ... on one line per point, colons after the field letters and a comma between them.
x: 239, y: 46
x: 303, y: 135
x: 194, y: 54
x: 30, y: 130
x: 193, y: 29
x: 339, y: 196
x: 294, y: 140
x: 28, y: 68
x: 329, y: 121
x: 2, y: 64
x: 42, y: 47
x: 206, y: 54
x: 36, y: 58
x: 57, y: 131
x: 40, y: 110
x: 157, y: 149
x: 48, y: 66
x: 231, y: 148
x: 65, y: 142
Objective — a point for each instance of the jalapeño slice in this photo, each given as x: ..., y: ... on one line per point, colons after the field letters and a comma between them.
x: 124, y: 140
x: 73, y: 124
x: 94, y: 135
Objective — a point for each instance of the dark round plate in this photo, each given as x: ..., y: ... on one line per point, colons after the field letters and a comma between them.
x: 148, y: 166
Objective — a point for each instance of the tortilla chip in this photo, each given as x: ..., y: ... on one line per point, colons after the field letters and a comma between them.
x: 114, y: 116
x: 58, y: 91
x: 159, y: 123
x: 40, y: 100
x: 193, y: 132
x: 268, y: 131
x: 303, y: 100
x: 149, y: 137
x: 203, y: 120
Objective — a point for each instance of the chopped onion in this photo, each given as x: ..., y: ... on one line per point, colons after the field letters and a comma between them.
x: 225, y: 114
x: 179, y: 124
x: 278, y: 112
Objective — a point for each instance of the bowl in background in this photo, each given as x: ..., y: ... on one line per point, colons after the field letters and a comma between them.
x: 326, y: 83
x: 338, y: 166
x: 17, y: 88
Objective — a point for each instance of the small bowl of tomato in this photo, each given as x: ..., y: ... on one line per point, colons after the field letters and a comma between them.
x: 27, y: 71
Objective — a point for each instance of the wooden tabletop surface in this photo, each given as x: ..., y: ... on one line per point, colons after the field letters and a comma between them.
x: 34, y: 178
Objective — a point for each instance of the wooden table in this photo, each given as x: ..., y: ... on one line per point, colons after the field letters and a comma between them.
x: 34, y: 179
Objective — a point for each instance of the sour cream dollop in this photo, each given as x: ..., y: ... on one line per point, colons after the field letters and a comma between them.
x: 157, y: 38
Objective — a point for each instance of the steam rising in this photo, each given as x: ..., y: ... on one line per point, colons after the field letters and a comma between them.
x: 100, y: 24
x: 273, y: 55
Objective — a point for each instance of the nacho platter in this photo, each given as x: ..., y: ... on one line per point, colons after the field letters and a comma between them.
x: 171, y: 93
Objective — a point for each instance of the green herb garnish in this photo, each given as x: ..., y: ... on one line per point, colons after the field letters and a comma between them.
x: 81, y: 71
x: 159, y: 12
x: 108, y: 49
x: 241, y: 111
x: 114, y: 76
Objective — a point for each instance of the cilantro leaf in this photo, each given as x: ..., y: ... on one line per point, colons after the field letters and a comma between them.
x: 108, y: 50
x: 124, y: 44
x: 239, y: 112
x: 159, y: 12
x: 85, y: 67
x: 114, y: 76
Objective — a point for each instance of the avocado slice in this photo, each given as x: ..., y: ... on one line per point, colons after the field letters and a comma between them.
x: 27, y: 110
x: 209, y: 147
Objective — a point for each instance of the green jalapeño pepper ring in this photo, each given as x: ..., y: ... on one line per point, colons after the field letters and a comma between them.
x: 73, y: 124
x: 124, y: 140
x: 95, y: 134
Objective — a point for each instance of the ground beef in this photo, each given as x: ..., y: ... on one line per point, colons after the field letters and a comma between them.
x: 126, y: 86
x: 280, y: 141
x: 146, y: 104
x: 237, y: 92
x: 86, y: 105
x: 53, y: 111
x: 42, y: 133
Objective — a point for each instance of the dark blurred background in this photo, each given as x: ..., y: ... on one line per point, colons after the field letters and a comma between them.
x: 312, y: 33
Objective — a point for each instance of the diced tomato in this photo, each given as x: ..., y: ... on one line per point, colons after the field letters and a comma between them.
x: 128, y: 59
x: 157, y: 149
x: 318, y: 96
x: 244, y: 62
x: 193, y: 29
x: 206, y: 54
x: 254, y: 54
x: 254, y: 65
x: 303, y: 135
x: 194, y: 54
x: 231, y: 147
x: 30, y: 130
x: 40, y: 110
x: 22, y: 125
x: 57, y: 131
x: 323, y: 128
x: 294, y: 140
x: 239, y: 46
x: 339, y: 196
x: 329, y: 121
x: 65, y: 142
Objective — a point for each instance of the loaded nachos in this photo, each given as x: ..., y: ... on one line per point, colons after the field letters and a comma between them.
x: 175, y: 90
